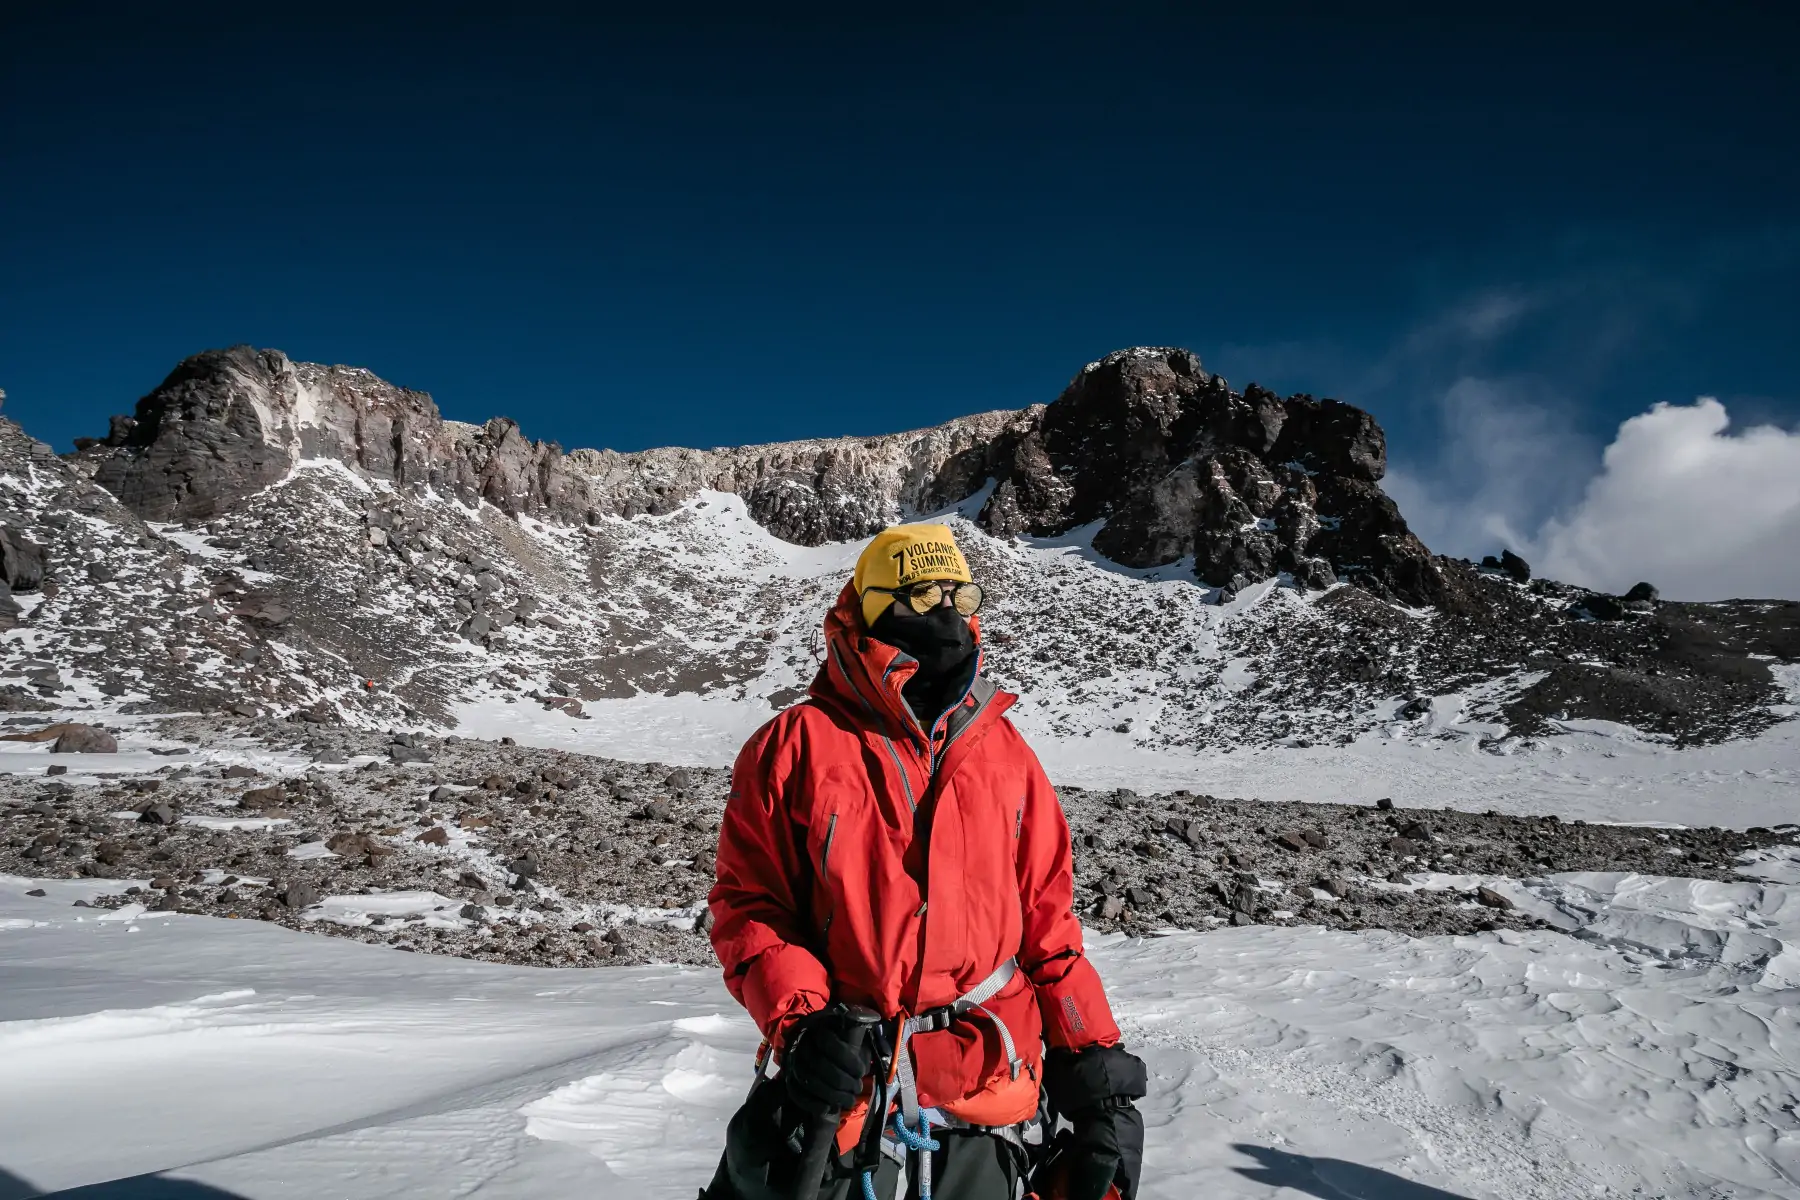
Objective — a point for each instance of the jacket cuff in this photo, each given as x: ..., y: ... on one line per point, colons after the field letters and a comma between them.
x: 1076, y: 1014
x: 784, y: 982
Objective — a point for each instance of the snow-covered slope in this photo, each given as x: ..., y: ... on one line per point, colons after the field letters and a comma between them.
x: 324, y: 544
x: 671, y: 637
x: 1656, y: 1053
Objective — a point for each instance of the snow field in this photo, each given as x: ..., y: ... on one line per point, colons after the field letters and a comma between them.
x: 1591, y: 770
x: 1653, y: 1051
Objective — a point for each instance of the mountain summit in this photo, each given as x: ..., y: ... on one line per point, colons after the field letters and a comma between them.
x: 1167, y: 459
x: 1173, y: 565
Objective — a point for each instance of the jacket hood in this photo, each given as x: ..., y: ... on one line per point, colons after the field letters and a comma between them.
x: 863, y: 675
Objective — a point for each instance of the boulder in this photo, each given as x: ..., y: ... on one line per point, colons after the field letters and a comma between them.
x: 84, y: 739
x: 1490, y: 898
x: 297, y: 894
x: 1516, y: 568
x: 263, y: 797
x: 1600, y: 607
x: 21, y: 561
x: 1641, y: 593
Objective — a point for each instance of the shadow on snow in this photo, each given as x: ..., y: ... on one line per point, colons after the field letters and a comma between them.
x: 1332, y: 1178
x: 138, y: 1187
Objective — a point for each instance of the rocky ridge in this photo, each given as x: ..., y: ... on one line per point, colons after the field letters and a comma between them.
x: 1169, y: 459
x: 227, y: 424
x: 266, y: 536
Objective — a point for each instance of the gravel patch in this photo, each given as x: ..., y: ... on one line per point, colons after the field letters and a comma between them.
x: 514, y: 854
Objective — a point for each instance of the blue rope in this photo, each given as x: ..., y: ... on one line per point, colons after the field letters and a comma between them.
x: 922, y: 1142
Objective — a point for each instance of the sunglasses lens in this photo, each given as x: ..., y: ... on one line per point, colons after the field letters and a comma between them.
x: 925, y: 597
x: 967, y: 598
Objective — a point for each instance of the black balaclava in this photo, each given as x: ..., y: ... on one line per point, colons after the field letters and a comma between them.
x: 945, y: 648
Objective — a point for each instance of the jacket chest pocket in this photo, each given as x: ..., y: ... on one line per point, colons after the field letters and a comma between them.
x: 841, y: 815
x: 991, y: 805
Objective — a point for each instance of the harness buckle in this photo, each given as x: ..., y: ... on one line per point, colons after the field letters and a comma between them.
x: 934, y: 1020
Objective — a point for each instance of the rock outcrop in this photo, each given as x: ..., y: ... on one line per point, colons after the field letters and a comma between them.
x: 1163, y: 455
x: 1249, y: 484
x: 227, y: 423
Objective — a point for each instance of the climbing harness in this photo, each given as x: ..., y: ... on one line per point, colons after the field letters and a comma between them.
x: 911, y: 1126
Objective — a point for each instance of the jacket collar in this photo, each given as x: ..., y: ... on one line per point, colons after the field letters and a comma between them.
x: 863, y: 677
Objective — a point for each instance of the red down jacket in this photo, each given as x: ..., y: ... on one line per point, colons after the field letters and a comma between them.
x: 825, y: 890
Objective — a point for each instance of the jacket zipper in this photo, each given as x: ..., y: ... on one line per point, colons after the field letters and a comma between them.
x: 825, y: 873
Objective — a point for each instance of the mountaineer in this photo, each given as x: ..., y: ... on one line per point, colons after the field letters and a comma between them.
x: 894, y: 907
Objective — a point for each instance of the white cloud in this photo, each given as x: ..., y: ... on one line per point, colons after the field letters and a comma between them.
x: 1491, y: 454
x: 1677, y: 499
x: 1508, y: 458
x: 1682, y: 502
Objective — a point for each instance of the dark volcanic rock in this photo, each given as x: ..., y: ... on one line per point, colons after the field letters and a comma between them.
x: 197, y: 443
x: 21, y: 561
x: 1250, y: 484
x: 1695, y: 673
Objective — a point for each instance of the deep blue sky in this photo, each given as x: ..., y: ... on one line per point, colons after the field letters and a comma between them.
x: 718, y: 229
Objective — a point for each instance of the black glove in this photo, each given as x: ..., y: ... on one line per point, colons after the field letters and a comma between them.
x: 826, y: 1058
x: 1094, y: 1089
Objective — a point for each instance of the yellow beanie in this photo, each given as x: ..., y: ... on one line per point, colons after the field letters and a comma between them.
x: 902, y: 555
